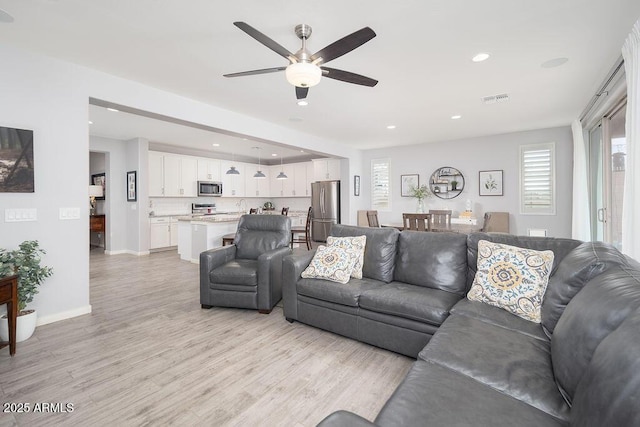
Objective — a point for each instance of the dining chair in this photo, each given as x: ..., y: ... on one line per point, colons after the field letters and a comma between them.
x: 298, y: 232
x: 372, y: 218
x: 416, y: 221
x: 440, y: 219
x: 285, y: 211
x: 496, y: 222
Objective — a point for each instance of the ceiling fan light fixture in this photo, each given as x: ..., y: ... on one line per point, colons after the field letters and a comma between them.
x: 303, y: 74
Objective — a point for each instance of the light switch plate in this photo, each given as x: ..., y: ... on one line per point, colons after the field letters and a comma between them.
x: 20, y: 215
x: 69, y: 213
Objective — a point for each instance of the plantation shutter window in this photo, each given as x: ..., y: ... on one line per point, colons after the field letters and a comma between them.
x: 380, y: 185
x: 537, y: 179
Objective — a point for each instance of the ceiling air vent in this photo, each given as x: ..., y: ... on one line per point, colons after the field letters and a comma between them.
x: 503, y: 97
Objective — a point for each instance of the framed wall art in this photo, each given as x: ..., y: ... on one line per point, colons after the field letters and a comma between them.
x: 490, y: 183
x: 407, y: 182
x: 100, y: 179
x: 16, y: 161
x: 132, y: 186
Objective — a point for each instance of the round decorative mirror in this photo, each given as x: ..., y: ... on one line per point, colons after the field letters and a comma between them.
x: 446, y: 182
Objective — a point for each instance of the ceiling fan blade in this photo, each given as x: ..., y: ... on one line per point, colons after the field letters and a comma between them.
x: 344, y: 45
x: 346, y: 76
x: 301, y: 92
x: 271, y: 44
x: 254, y: 72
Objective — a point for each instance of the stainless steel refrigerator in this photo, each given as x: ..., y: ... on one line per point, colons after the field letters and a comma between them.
x: 325, y: 201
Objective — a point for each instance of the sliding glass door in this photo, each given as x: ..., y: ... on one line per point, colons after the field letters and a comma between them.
x: 607, y: 152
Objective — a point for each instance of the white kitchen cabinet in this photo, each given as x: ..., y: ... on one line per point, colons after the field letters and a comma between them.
x: 171, y: 175
x: 208, y: 169
x: 289, y: 185
x: 159, y: 233
x: 300, y: 183
x: 173, y: 232
x: 156, y: 174
x: 310, y: 178
x: 326, y: 169
x: 255, y: 187
x: 232, y: 185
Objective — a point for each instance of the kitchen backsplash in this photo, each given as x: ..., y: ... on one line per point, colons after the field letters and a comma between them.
x: 180, y: 206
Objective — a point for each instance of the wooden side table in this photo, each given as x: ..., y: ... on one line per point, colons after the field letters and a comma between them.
x: 98, y: 224
x: 9, y: 296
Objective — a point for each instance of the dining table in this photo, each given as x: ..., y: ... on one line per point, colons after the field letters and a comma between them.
x: 458, y: 225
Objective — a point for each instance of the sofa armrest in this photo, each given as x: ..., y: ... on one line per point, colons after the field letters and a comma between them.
x: 270, y: 277
x: 345, y: 419
x: 292, y: 268
x: 213, y: 258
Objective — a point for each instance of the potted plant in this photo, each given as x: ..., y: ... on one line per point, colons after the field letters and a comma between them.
x: 420, y: 192
x: 454, y: 185
x: 25, y: 262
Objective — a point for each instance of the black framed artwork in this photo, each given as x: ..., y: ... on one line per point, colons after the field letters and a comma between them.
x: 100, y: 179
x: 132, y: 186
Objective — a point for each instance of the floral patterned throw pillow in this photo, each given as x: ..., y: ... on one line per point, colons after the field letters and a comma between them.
x: 353, y: 245
x: 512, y: 278
x: 330, y: 263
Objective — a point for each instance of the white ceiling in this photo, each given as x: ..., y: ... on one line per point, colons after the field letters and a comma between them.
x: 421, y: 57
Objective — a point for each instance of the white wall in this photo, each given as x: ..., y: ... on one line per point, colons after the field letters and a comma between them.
x: 471, y: 156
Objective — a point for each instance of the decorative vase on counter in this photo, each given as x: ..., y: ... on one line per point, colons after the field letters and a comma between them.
x: 420, y: 208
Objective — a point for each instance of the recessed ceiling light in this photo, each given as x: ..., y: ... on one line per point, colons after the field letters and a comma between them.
x: 456, y: 117
x: 112, y: 109
x: 215, y: 144
x: 303, y: 102
x: 480, y: 57
x: 555, y: 62
x: 391, y: 127
x: 274, y: 155
x: 90, y: 122
x: 5, y: 17
x: 302, y: 151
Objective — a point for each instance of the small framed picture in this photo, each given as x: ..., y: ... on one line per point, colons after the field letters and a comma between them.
x: 100, y: 179
x: 356, y: 185
x: 490, y: 183
x: 407, y: 182
x: 132, y: 186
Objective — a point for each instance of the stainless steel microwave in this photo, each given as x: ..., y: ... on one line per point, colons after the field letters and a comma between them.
x: 209, y: 188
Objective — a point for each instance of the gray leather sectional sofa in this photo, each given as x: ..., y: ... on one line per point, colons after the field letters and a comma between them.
x: 478, y: 364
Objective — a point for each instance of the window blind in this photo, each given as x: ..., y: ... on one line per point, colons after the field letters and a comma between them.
x: 537, y: 179
x: 380, y: 184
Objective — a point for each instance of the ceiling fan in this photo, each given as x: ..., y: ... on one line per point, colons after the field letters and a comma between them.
x: 305, y: 69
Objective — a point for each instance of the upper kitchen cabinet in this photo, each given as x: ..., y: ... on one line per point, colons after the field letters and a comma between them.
x: 326, y: 169
x: 256, y: 187
x: 180, y: 176
x: 297, y: 183
x: 156, y: 174
x: 208, y: 170
x: 233, y: 185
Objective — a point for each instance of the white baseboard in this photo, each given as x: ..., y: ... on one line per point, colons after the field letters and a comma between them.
x: 64, y: 315
x: 127, y: 251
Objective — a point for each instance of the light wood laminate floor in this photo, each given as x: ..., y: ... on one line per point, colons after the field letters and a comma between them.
x: 149, y: 355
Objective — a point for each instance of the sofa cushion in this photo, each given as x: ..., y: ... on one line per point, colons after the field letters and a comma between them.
x: 499, y: 317
x: 434, y: 260
x: 331, y: 263
x: 560, y: 248
x: 241, y: 272
x: 511, y: 278
x: 433, y: 395
x: 598, y: 309
x: 609, y: 393
x: 410, y: 301
x: 354, y: 245
x: 380, y: 251
x: 577, y: 268
x: 510, y: 362
x: 338, y: 293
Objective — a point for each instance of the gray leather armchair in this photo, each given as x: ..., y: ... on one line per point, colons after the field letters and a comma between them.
x: 247, y: 274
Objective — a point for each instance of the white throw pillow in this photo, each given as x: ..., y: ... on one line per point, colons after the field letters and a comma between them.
x: 354, y: 245
x: 330, y: 263
x: 512, y: 278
